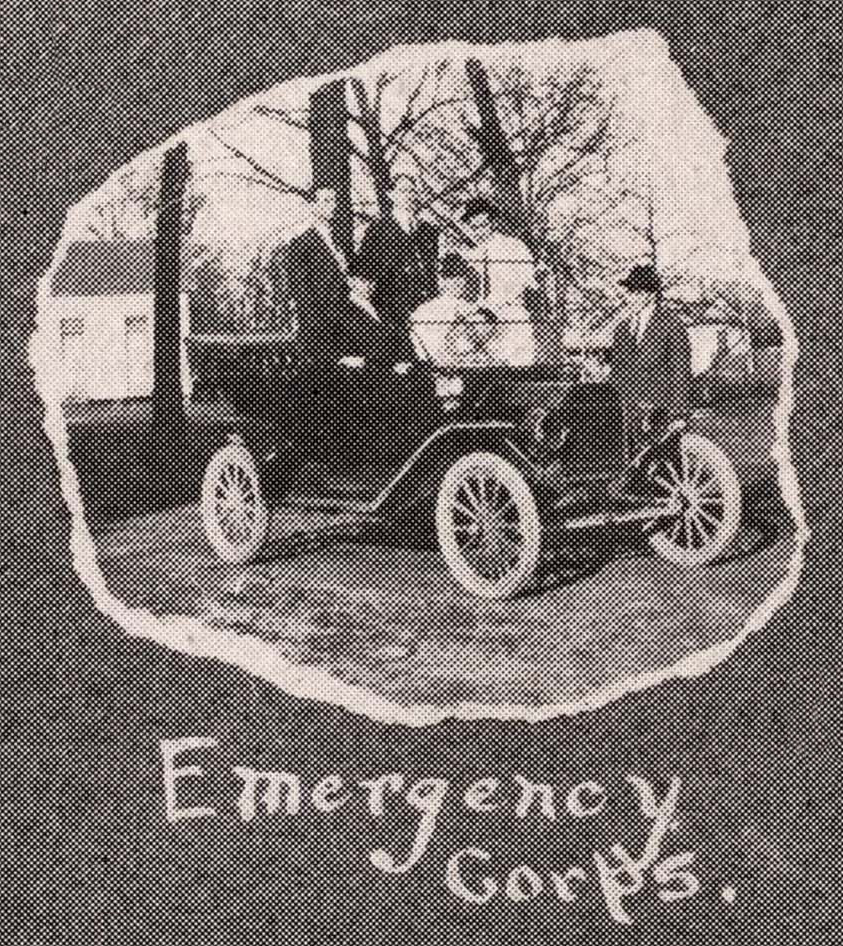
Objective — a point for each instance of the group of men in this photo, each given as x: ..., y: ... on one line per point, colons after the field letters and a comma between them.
x: 397, y: 298
x: 361, y: 305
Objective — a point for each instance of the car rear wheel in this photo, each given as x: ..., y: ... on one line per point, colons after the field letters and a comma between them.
x: 235, y: 514
x: 701, y: 481
x: 488, y: 526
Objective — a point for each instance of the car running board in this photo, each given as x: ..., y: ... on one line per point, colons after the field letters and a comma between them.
x: 359, y: 507
x: 601, y: 519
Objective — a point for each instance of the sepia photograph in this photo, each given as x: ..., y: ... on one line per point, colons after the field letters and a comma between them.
x: 423, y: 428
x: 445, y: 385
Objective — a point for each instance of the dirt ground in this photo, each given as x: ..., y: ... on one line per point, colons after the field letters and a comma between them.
x: 380, y: 612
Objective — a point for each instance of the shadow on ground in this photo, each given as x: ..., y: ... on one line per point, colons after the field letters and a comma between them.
x: 384, y: 614
x: 375, y: 607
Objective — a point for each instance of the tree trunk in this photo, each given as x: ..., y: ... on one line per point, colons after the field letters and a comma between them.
x: 330, y: 156
x: 167, y: 403
x: 378, y: 167
x: 497, y: 154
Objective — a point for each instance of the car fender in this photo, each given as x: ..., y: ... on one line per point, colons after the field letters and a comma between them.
x: 665, y: 447
x: 422, y: 471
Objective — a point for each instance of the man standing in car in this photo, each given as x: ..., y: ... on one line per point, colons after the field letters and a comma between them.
x: 650, y: 357
x: 331, y: 322
x: 398, y: 257
x: 317, y: 278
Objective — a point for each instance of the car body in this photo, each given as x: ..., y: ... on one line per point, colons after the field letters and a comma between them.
x: 500, y: 460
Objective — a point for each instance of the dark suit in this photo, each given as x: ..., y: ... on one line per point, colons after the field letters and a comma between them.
x: 401, y: 266
x: 320, y: 291
x: 656, y: 371
x: 329, y: 324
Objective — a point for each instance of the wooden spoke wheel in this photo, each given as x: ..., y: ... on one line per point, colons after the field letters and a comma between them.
x: 235, y: 515
x: 487, y: 525
x: 701, y: 481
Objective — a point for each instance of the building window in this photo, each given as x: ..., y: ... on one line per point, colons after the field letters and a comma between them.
x: 135, y: 323
x: 71, y: 327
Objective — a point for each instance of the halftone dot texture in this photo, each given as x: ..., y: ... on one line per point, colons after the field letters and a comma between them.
x: 753, y: 740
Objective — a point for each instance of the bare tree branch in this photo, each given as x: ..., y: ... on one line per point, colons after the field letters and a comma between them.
x: 258, y: 167
x: 376, y: 162
x: 449, y: 224
x: 413, y: 96
x: 274, y: 185
x: 438, y: 142
x: 282, y: 115
x: 458, y: 185
x: 406, y: 123
x: 382, y: 83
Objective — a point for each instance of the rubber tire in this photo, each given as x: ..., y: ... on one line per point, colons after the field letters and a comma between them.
x: 732, y: 510
x: 522, y: 577
x: 223, y: 546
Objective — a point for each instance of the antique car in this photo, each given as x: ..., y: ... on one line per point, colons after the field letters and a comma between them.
x: 502, y: 462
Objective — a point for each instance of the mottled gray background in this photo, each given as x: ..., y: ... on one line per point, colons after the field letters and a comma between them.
x: 89, y: 857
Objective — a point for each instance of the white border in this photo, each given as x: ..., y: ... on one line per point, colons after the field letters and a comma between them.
x: 261, y: 659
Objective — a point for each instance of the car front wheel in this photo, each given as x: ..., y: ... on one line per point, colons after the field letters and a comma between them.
x: 488, y: 526
x: 700, y: 481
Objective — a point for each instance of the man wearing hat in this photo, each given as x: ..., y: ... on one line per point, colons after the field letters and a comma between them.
x: 650, y: 356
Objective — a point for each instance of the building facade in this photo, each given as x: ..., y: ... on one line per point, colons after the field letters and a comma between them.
x: 101, y: 321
